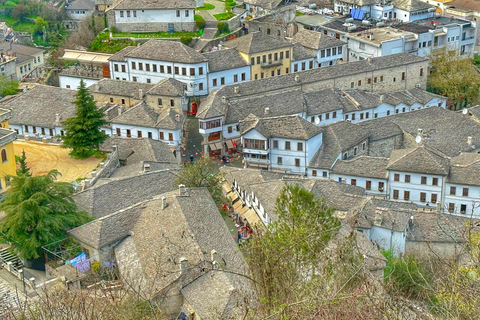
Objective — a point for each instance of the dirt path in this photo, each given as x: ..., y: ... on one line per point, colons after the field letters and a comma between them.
x: 41, y: 158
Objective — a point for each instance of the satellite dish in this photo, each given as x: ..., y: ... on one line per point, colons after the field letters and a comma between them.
x: 317, y: 120
x: 418, y: 139
x: 465, y: 111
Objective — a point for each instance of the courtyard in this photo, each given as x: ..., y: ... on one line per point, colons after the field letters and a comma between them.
x: 41, y: 158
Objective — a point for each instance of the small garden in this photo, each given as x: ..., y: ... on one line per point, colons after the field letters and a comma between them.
x: 206, y: 6
x: 102, y: 43
x: 149, y: 35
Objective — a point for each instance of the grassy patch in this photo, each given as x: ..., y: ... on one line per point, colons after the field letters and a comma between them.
x: 18, y: 25
x: 206, y: 6
x: 156, y: 34
x: 109, y: 47
x: 477, y: 60
x: 298, y: 13
x: 223, y: 33
x: 198, y: 17
x: 224, y: 16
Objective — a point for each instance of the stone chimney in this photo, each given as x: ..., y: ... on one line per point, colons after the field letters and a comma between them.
x: 236, y: 90
x: 214, y: 257
x: 378, y: 219
x: 164, y: 203
x: 297, y: 78
x: 177, y: 117
x: 182, y: 191
x: 469, y: 141
x: 114, y: 147
x: 369, y: 59
x: 146, y: 167
x: 140, y: 93
x: 344, y: 180
x: 119, y: 109
x: 267, y: 111
x: 57, y: 117
x: 183, y: 266
x: 224, y: 100
x: 382, y: 97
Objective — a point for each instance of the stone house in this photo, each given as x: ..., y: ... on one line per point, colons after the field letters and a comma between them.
x: 328, y: 50
x: 268, y: 56
x: 80, y: 9
x: 152, y: 16
x: 28, y: 62
x: 156, y: 60
x: 165, y: 246
x: 267, y: 144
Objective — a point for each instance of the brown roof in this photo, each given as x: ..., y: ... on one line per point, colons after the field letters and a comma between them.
x: 467, y: 4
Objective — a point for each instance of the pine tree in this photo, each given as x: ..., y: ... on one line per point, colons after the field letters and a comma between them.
x: 82, y: 132
x: 24, y: 169
x: 39, y: 211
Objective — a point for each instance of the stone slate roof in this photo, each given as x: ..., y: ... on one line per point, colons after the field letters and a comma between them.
x: 362, y: 166
x: 168, y: 87
x: 161, y: 237
x: 138, y: 168
x: 411, y: 5
x: 120, y: 55
x: 440, y: 228
x: 212, y: 296
x: 420, y: 159
x: 80, y: 5
x: 337, y: 137
x: 121, y: 88
x: 326, y: 100
x: 288, y: 127
x: 282, y: 103
x: 117, y: 194
x: 301, y: 53
x: 136, y: 150
x: 467, y: 4
x: 257, y: 42
x: 282, y: 83
x: 394, y: 215
x: 316, y: 40
x: 20, y: 49
x: 475, y: 112
x: 143, y: 115
x: 465, y: 169
x: 224, y: 60
x: 341, y: 196
x: 443, y: 129
x: 165, y: 50
x: 37, y: 106
x: 154, y: 4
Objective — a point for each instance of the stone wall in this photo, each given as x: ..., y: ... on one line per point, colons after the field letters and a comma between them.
x: 384, y: 147
x: 391, y: 79
x: 234, y: 23
x: 215, y: 42
x: 105, y: 170
x: 154, y: 27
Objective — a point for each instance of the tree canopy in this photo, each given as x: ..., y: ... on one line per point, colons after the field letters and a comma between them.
x: 202, y: 174
x: 39, y: 211
x: 82, y: 132
x: 288, y: 258
x: 454, y: 76
x: 24, y: 169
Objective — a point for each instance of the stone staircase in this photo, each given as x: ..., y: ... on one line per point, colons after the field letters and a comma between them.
x: 6, y: 256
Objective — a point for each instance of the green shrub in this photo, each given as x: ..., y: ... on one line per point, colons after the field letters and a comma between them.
x: 407, y: 276
x: 200, y: 23
x: 186, y: 40
x: 222, y: 26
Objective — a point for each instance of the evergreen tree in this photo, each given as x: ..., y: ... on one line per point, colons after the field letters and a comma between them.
x: 24, y: 169
x: 82, y: 132
x: 39, y: 211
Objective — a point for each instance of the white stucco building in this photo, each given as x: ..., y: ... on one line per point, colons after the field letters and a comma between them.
x: 156, y: 60
x: 153, y: 16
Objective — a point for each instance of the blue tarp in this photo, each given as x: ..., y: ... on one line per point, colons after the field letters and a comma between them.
x: 357, y: 14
